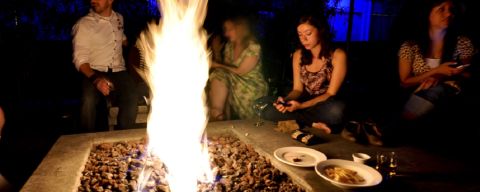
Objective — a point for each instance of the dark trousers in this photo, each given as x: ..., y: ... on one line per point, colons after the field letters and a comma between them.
x: 330, y: 112
x: 94, y: 112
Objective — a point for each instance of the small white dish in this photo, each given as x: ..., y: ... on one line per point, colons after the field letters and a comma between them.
x: 299, y: 156
x: 370, y: 175
x: 361, y: 157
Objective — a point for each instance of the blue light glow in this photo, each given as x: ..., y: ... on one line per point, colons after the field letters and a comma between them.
x: 361, y: 20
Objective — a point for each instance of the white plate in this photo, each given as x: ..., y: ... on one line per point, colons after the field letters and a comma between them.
x: 371, y: 176
x: 299, y: 156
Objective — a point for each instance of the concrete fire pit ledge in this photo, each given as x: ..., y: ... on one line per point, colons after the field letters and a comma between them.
x: 61, y: 168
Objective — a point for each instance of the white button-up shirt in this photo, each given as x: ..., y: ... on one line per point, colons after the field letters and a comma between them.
x: 97, y: 40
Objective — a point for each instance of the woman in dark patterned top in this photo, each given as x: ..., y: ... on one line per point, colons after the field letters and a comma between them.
x: 318, y: 73
x: 427, y: 62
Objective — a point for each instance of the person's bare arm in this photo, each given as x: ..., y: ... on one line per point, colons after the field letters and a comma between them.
x: 99, y: 82
x: 339, y: 63
x: 81, y: 50
x: 297, y: 89
x: 247, y: 65
x: 297, y: 83
x: 2, y: 121
x: 86, y: 70
x: 409, y: 80
x: 216, y: 48
x: 406, y: 58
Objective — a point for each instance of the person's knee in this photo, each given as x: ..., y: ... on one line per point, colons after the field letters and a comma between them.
x: 416, y: 107
x: 267, y: 113
x: 435, y: 93
x: 4, y: 184
x: 336, y: 112
x: 131, y: 98
x: 217, y: 83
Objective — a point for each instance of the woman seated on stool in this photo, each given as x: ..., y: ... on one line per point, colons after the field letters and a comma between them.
x: 236, y: 79
x: 426, y: 62
x: 318, y: 72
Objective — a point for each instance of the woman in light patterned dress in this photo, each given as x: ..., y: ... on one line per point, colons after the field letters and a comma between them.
x: 426, y: 63
x: 236, y: 79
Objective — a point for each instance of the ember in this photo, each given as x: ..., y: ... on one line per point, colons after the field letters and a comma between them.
x: 236, y: 166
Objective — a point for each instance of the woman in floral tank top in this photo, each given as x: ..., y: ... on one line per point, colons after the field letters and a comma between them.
x: 318, y: 73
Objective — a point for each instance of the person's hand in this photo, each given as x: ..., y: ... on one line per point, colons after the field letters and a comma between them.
x: 294, y: 105
x: 283, y: 106
x: 103, y: 85
x: 427, y: 83
x: 215, y: 64
x: 278, y: 104
x: 447, y: 70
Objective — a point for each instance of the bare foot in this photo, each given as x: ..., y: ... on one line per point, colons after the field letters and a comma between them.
x: 322, y: 126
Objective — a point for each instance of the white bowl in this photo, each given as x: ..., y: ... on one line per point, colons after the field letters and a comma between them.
x: 371, y: 176
x: 360, y: 157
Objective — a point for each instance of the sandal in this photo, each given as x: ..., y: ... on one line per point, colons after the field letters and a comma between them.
x: 373, y: 133
x: 351, y: 131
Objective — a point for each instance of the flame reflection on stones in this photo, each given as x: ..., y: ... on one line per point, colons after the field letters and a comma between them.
x: 236, y: 167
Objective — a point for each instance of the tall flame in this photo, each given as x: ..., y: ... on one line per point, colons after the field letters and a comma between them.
x: 177, y: 72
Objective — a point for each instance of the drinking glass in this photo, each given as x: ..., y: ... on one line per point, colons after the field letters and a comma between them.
x: 258, y: 108
x: 387, y: 163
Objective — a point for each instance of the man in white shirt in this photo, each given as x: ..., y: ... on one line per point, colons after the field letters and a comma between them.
x: 97, y: 53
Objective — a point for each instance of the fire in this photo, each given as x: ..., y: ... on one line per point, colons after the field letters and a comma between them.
x: 177, y: 73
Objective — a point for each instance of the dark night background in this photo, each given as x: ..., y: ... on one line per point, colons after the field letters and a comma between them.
x: 40, y: 87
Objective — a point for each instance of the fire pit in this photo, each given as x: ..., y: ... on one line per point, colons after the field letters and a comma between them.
x: 64, y: 167
x: 237, y: 167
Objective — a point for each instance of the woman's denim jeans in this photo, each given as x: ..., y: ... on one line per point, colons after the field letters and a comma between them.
x: 421, y: 103
x: 330, y: 112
